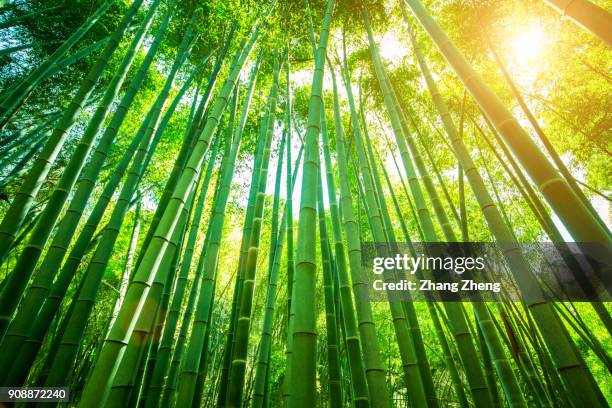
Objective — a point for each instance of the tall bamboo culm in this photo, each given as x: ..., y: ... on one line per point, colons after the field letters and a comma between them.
x: 302, y: 369
x: 110, y: 354
x: 560, y: 345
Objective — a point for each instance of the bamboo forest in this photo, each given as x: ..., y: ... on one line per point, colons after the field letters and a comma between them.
x: 190, y: 191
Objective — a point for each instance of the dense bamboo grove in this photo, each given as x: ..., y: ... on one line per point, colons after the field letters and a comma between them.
x: 186, y: 186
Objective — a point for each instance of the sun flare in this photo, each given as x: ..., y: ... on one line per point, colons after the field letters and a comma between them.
x: 528, y: 44
x: 391, y: 48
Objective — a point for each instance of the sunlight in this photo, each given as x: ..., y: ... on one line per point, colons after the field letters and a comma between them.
x: 528, y: 44
x: 391, y: 48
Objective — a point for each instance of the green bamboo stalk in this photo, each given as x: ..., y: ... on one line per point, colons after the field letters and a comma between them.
x: 413, y: 211
x: 66, y: 354
x: 594, y: 190
x: 570, y: 209
x: 434, y: 198
x: 168, y: 288
x: 541, y: 135
x: 124, y: 381
x: 98, y: 384
x: 165, y: 350
x: 291, y: 308
x: 512, y: 316
x: 22, y: 328
x: 205, y: 357
x: 274, y: 228
x: 132, y: 368
x: 396, y: 206
x: 448, y: 358
x: 20, y: 168
x: 434, y: 166
x: 508, y: 380
x: 539, y: 394
x: 13, y: 145
x: 342, y: 344
x: 77, y: 56
x: 488, y: 366
x: 18, y: 94
x: 375, y: 373
x: 33, y: 250
x: 568, y: 362
x: 549, y: 227
x: 129, y: 258
x: 177, y: 351
x: 359, y: 382
x: 246, y: 233
x: 382, y: 232
x: 17, y: 48
x: 194, y: 132
x: 14, y: 157
x: 494, y: 349
x: 145, y: 369
x: 498, y: 200
x: 17, y: 157
x: 465, y: 236
x: 465, y: 344
x: 27, y: 133
x: 333, y: 361
x: 239, y: 352
x: 412, y: 321
x: 450, y: 362
x: 410, y: 311
x: 202, y: 364
x: 245, y: 110
x: 290, y: 236
x: 461, y: 178
x: 55, y: 341
x: 454, y: 212
x: 25, y: 197
x: 83, y: 243
x: 522, y: 184
x: 573, y: 319
x: 265, y: 344
x: 143, y: 376
x: 586, y: 15
x: 528, y: 330
x: 491, y: 347
x: 85, y: 238
x: 302, y: 374
x: 31, y: 126
x: 289, y: 187
x: 163, y: 357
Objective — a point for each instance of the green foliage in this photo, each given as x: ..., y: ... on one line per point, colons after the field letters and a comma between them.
x: 561, y: 71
